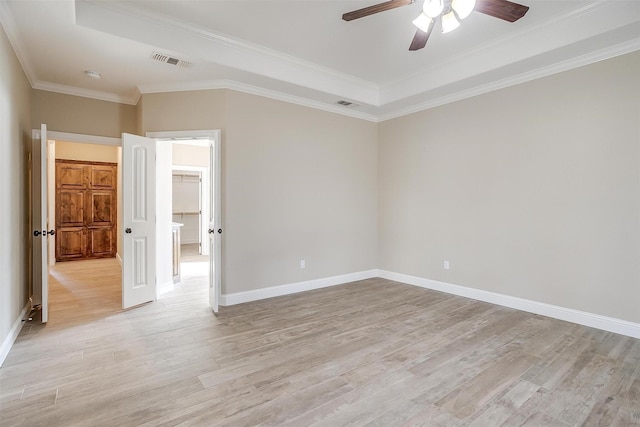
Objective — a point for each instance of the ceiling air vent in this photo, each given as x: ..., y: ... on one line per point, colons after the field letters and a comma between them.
x: 161, y: 57
x: 347, y: 103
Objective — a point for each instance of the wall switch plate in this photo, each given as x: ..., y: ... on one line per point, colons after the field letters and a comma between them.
x: 303, y: 263
x: 446, y: 265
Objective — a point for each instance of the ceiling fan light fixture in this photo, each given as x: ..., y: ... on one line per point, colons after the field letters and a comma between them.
x: 423, y: 22
x: 433, y: 8
x: 463, y: 8
x: 449, y: 22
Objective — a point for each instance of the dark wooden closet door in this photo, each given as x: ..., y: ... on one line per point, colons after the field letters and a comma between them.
x: 85, y: 210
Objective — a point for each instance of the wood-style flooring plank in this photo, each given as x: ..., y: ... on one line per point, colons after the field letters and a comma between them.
x: 372, y: 352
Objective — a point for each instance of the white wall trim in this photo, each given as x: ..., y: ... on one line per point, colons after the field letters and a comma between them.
x: 258, y: 91
x: 172, y: 34
x: 86, y: 93
x: 292, y: 288
x: 605, y: 323
x: 516, y: 79
x: 8, y: 23
x: 181, y: 135
x: 280, y: 67
x: 163, y: 288
x: 82, y: 138
x: 13, y: 333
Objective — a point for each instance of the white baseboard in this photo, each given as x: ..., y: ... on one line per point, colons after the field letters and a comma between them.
x: 13, y: 333
x: 605, y: 323
x: 292, y: 288
x: 163, y: 288
x: 119, y: 259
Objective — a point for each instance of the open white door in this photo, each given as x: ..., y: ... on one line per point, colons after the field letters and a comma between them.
x: 139, y: 220
x: 215, y: 224
x: 39, y: 224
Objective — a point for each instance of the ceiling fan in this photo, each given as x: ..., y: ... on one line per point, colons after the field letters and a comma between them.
x: 448, y: 12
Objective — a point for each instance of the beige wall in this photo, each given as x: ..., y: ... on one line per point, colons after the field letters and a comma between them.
x: 15, y: 143
x: 297, y: 184
x: 192, y: 110
x: 86, y: 152
x: 74, y: 114
x: 532, y: 191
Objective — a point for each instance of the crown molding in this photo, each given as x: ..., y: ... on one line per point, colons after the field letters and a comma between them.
x: 563, y: 30
x: 85, y: 93
x: 8, y: 23
x: 579, y: 61
x: 600, y: 55
x: 127, y: 21
x: 232, y: 42
x: 396, y: 99
x: 259, y: 91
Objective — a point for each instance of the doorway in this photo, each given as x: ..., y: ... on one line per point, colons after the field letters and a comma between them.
x: 191, y: 162
x: 83, y: 289
x: 189, y: 212
x: 144, y: 176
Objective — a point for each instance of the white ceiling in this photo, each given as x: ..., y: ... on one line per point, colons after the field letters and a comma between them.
x: 301, y: 50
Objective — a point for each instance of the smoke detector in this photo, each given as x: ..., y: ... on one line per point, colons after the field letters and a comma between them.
x: 167, y: 59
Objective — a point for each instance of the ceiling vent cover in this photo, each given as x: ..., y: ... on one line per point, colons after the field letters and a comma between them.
x: 347, y: 103
x: 161, y: 57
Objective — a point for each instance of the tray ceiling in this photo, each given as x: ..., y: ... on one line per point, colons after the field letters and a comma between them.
x: 301, y: 51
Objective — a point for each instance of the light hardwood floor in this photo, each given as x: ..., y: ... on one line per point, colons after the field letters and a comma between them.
x: 373, y: 352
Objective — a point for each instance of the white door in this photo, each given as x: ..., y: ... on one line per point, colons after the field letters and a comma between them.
x: 139, y: 220
x: 39, y: 226
x: 215, y: 224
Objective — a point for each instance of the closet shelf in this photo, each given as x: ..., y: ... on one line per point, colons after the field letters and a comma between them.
x: 187, y: 213
x: 186, y: 176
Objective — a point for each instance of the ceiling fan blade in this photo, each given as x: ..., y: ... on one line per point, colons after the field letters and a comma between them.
x: 420, y: 39
x: 376, y: 8
x: 502, y: 9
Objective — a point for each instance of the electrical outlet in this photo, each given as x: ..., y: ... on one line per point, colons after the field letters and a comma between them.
x: 446, y: 265
x: 303, y: 263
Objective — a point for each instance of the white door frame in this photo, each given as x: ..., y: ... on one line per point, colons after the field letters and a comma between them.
x: 215, y: 259
x: 51, y: 137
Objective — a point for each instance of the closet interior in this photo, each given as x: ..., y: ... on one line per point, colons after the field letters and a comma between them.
x: 187, y: 206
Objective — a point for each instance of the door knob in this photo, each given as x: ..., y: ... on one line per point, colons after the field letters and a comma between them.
x: 36, y: 233
x: 219, y: 230
x: 52, y: 232
x: 211, y: 231
x: 127, y: 230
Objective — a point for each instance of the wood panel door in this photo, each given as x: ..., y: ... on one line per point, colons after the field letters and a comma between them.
x: 85, y: 210
x: 139, y: 220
